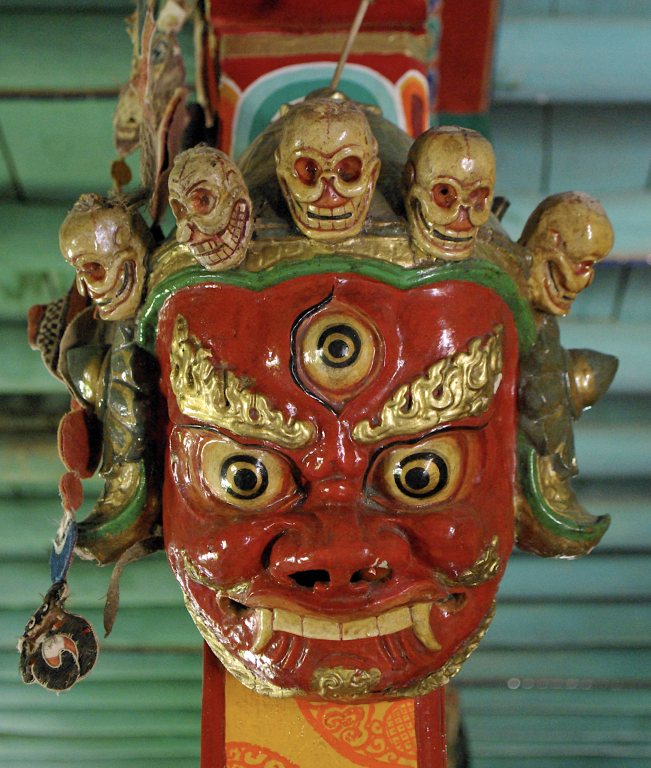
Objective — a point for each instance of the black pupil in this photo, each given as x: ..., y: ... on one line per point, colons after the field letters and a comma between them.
x: 338, y: 349
x: 417, y: 478
x: 245, y: 479
x: 338, y: 352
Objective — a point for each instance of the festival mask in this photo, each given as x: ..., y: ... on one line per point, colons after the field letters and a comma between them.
x: 338, y: 499
x: 567, y: 235
x: 107, y: 245
x: 327, y: 166
x: 448, y: 189
x: 212, y: 207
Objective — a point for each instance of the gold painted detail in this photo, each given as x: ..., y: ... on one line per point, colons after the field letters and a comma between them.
x: 485, y: 568
x: 558, y: 493
x: 456, y: 387
x: 452, y: 666
x: 234, y: 665
x: 216, y: 396
x: 340, y: 682
x: 276, y: 44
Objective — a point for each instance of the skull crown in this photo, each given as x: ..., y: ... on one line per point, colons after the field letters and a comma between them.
x: 448, y: 186
x: 107, y: 244
x: 212, y: 207
x: 567, y: 235
x: 327, y: 166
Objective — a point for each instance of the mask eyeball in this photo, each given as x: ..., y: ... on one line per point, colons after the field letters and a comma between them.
x: 421, y: 475
x: 244, y: 477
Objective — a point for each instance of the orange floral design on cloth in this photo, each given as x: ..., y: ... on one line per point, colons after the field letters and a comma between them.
x: 242, y: 754
x: 371, y: 735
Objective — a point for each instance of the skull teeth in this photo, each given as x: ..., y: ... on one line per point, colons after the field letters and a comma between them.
x: 395, y: 620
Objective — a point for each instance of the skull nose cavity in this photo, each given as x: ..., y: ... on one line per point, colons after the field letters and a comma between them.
x: 373, y: 575
x: 309, y: 579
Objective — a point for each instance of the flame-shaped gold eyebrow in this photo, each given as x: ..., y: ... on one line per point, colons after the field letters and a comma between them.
x: 454, y: 388
x: 216, y: 396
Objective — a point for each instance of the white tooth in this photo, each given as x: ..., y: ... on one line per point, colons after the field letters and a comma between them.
x: 321, y: 629
x: 394, y: 620
x: 349, y: 208
x: 286, y: 621
x: 360, y: 629
x: 338, y: 211
x: 263, y: 628
x: 340, y: 223
x: 228, y: 238
x: 420, y: 614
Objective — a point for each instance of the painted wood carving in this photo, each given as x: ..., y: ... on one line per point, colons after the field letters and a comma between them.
x: 336, y: 395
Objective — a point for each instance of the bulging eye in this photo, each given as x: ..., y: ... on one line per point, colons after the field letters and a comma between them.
x: 238, y: 477
x: 202, y: 201
x: 421, y: 475
x: 308, y: 170
x: 479, y: 198
x: 244, y: 477
x: 444, y: 195
x: 349, y: 169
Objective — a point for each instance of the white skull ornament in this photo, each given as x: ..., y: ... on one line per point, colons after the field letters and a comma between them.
x: 212, y: 207
x: 107, y: 244
x: 448, y: 188
x: 567, y: 235
x: 327, y: 166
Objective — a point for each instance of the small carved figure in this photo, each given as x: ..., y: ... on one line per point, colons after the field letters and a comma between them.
x: 567, y: 235
x: 327, y: 166
x: 107, y: 243
x: 448, y: 187
x: 212, y: 207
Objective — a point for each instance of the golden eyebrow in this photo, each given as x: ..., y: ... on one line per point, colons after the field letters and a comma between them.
x: 456, y: 387
x: 217, y: 397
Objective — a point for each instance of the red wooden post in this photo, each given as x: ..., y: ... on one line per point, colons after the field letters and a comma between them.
x: 213, y: 704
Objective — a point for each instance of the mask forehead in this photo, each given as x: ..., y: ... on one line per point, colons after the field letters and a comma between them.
x: 251, y: 334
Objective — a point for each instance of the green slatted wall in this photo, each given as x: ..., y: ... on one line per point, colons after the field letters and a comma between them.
x: 563, y: 677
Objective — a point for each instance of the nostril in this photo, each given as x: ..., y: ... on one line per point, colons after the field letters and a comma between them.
x: 310, y: 579
x: 372, y: 575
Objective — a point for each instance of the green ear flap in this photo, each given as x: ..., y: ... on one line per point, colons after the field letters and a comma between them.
x: 550, y: 521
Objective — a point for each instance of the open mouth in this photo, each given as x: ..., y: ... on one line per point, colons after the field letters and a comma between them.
x: 457, y: 245
x: 264, y: 622
x: 328, y: 217
x: 221, y: 248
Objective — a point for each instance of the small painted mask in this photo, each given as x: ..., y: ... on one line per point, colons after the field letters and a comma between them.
x: 212, y: 207
x: 338, y: 494
x: 448, y: 187
x: 567, y: 235
x: 327, y: 166
x: 107, y: 244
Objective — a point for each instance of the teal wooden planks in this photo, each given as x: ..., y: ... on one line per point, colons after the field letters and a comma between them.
x: 573, y: 60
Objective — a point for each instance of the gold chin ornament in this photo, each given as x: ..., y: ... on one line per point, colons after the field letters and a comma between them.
x: 212, y: 207
x: 567, y: 235
x: 327, y: 166
x: 107, y: 244
x: 448, y: 187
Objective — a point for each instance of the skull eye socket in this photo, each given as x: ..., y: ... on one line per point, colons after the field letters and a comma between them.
x: 93, y: 271
x: 244, y: 477
x: 308, y: 170
x: 202, y: 201
x: 479, y: 198
x: 421, y: 475
x: 444, y: 195
x: 349, y: 169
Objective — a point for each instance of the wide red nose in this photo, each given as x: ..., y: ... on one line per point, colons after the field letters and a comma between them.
x: 462, y: 222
